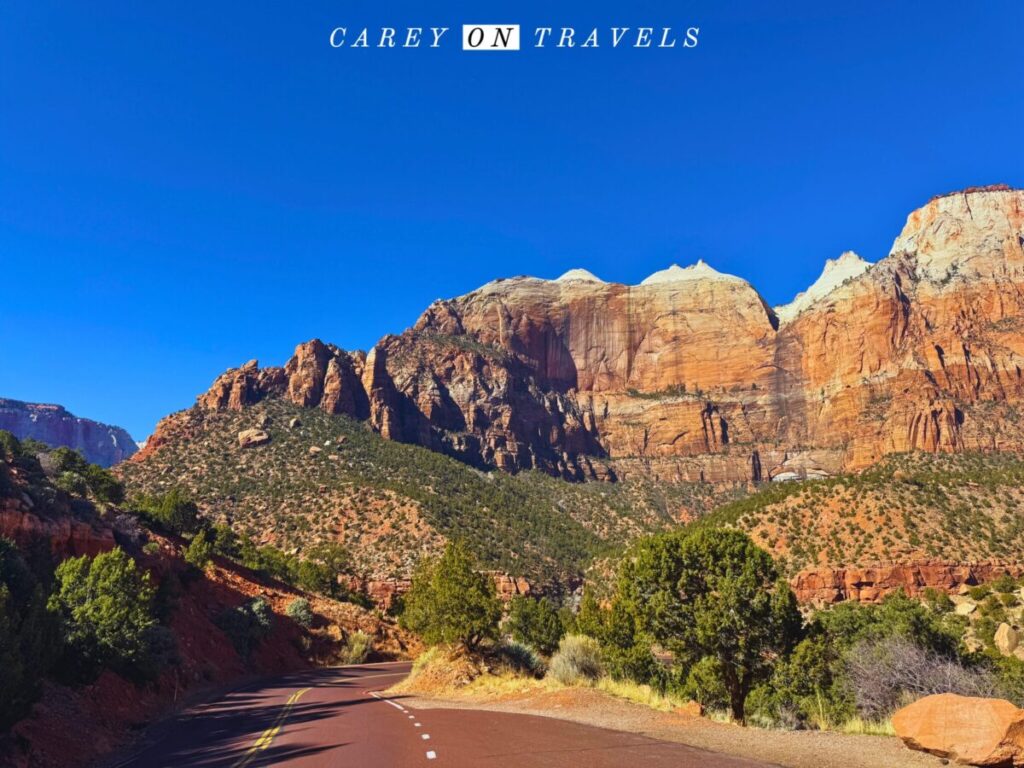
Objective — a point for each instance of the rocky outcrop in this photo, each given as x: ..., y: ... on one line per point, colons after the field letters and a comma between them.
x: 51, y: 424
x: 872, y: 583
x: 250, y: 438
x: 384, y: 592
x: 66, y: 535
x: 693, y: 373
x: 969, y: 730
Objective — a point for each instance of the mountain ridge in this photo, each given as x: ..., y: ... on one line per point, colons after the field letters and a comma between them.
x: 698, y: 373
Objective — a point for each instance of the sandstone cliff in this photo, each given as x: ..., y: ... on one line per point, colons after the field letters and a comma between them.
x: 691, y: 374
x: 100, y: 443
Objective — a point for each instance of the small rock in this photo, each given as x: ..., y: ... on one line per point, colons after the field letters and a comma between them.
x: 314, y: 450
x: 1007, y: 639
x: 964, y: 589
x: 249, y: 438
x: 264, y: 421
x: 294, y: 423
x: 966, y: 608
x: 342, y: 440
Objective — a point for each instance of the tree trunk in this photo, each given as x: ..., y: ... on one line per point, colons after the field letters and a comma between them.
x: 738, y: 687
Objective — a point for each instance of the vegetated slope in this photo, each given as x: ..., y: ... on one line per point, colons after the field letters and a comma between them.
x: 51, y: 513
x: 908, y: 508
x: 331, y: 477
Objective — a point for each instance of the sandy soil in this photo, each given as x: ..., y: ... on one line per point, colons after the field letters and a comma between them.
x: 793, y: 749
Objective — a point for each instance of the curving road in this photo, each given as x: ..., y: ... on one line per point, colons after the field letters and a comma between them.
x: 338, y: 718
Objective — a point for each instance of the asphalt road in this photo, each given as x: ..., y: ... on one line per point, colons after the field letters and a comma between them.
x: 338, y: 718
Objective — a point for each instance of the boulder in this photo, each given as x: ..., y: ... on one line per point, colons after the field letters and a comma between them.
x: 966, y: 608
x: 249, y: 438
x: 971, y: 731
x: 1007, y: 639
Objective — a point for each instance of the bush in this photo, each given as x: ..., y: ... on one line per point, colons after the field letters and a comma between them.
x: 1005, y: 584
x: 358, y: 647
x: 199, y: 551
x: 106, y: 606
x: 173, y: 512
x: 577, y: 660
x: 521, y: 659
x: 704, y: 685
x: 450, y: 602
x: 535, y: 623
x: 886, y: 674
x: 247, y: 625
x: 298, y: 610
x: 77, y: 476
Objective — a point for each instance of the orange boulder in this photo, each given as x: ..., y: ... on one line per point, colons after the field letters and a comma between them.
x: 971, y: 731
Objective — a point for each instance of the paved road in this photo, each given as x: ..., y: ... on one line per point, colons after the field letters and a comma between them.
x: 338, y: 718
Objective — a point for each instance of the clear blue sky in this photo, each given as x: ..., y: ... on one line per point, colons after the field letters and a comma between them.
x: 185, y: 186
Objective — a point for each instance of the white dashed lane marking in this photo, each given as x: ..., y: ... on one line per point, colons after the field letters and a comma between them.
x: 431, y: 754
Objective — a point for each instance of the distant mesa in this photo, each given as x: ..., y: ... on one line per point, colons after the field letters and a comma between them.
x: 101, y: 444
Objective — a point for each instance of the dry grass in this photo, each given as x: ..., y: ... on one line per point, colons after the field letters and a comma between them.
x: 640, y: 694
x: 859, y: 726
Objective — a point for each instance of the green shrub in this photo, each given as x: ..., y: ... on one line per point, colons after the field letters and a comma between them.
x: 1005, y: 584
x: 298, y: 610
x: 938, y: 601
x: 247, y: 625
x: 979, y: 592
x: 535, y: 623
x: 199, y: 551
x: 173, y: 512
x: 106, y: 606
x: 449, y: 601
x: 704, y: 684
x: 521, y: 659
x: 577, y: 660
x: 358, y: 647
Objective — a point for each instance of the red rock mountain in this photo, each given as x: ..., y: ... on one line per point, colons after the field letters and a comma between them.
x: 51, y: 424
x: 691, y: 375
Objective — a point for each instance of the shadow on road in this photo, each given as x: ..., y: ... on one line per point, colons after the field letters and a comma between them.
x: 221, y: 733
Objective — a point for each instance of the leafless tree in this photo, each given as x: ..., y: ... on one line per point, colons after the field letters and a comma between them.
x: 886, y: 674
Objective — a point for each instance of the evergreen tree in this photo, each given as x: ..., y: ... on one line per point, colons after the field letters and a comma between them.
x: 451, y: 602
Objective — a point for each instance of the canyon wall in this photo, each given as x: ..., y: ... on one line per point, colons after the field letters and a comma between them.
x: 691, y: 374
x: 51, y: 424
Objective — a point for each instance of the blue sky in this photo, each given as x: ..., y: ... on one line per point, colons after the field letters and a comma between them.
x: 185, y: 186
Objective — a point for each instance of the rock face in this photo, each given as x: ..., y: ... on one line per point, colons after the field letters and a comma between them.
x: 100, y: 443
x: 691, y: 374
x: 870, y: 584
x: 972, y: 731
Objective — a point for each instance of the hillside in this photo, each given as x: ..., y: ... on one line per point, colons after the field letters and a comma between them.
x: 65, y: 711
x: 915, y: 511
x: 332, y: 477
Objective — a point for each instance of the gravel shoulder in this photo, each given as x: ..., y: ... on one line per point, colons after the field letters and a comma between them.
x: 793, y: 749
